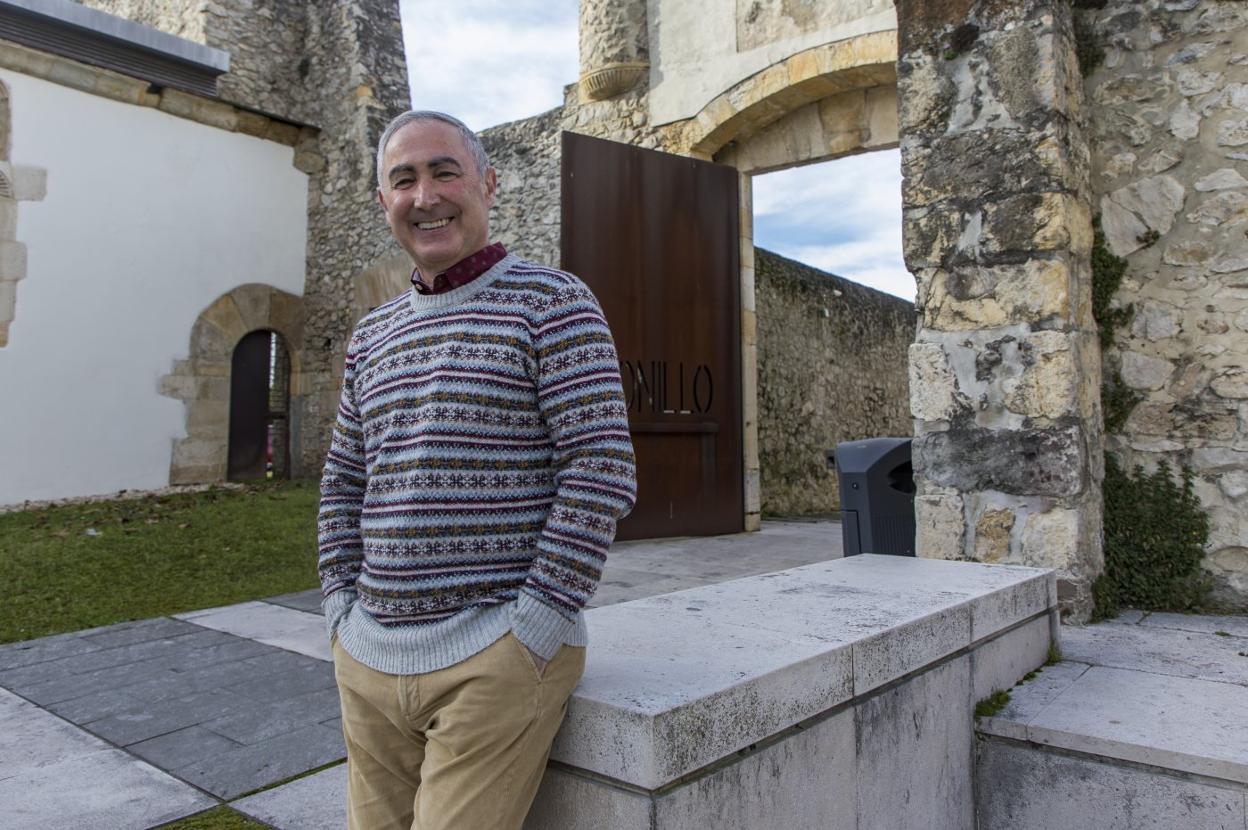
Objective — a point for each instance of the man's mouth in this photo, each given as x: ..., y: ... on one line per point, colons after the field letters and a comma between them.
x: 434, y: 225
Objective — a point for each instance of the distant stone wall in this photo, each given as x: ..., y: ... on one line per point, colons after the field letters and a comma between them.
x: 831, y: 368
x: 1169, y: 131
x: 526, y: 155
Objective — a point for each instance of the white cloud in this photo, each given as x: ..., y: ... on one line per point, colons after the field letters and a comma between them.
x: 488, y: 62
x: 842, y: 216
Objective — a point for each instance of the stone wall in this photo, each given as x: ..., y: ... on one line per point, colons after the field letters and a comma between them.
x: 1169, y: 129
x: 525, y: 216
x: 1005, y: 372
x: 831, y: 368
x: 339, y: 66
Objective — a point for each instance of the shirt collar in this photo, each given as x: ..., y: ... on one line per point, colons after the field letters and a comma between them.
x: 462, y: 272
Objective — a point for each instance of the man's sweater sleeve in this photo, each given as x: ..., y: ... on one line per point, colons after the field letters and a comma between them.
x: 582, y: 403
x: 342, y: 499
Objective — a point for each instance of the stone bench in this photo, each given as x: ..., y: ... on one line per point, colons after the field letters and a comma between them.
x: 834, y: 695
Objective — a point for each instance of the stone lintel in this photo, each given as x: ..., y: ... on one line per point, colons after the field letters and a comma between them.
x: 757, y: 656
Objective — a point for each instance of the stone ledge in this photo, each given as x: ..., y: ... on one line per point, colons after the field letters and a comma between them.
x: 119, y: 87
x: 756, y: 656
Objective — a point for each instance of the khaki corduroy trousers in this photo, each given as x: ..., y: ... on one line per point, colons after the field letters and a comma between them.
x: 461, y: 748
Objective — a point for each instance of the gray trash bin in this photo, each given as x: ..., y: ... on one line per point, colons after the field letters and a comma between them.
x: 877, y: 496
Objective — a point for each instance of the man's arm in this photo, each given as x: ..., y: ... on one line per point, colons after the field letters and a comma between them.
x: 582, y: 403
x: 342, y: 499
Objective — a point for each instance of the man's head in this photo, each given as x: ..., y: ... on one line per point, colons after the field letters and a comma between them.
x: 435, y: 183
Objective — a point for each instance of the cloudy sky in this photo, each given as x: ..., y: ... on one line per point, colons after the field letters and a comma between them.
x: 492, y: 61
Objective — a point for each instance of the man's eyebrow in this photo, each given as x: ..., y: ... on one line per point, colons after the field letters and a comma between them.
x: 401, y: 168
x: 439, y: 161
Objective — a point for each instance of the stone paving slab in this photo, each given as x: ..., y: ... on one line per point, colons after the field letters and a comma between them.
x: 1183, y: 653
x: 247, y: 768
x: 54, y: 775
x: 309, y: 600
x: 1236, y: 626
x: 317, y: 802
x: 13, y: 655
x: 1176, y: 723
x: 277, y: 625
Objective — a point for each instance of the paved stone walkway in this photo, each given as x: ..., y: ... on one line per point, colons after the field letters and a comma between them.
x: 137, y: 724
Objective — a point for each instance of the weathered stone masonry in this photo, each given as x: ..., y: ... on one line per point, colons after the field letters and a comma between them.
x: 1169, y: 130
x: 1005, y: 372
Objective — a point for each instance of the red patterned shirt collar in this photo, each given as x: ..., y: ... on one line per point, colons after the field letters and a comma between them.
x: 462, y: 272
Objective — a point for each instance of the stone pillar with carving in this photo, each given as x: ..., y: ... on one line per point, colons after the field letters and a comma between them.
x: 615, y: 47
x: 1005, y: 370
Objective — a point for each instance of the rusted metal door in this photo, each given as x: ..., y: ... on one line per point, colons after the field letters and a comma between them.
x: 249, y: 406
x: 656, y: 238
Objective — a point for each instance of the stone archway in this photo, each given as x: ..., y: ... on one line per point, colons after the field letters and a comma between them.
x: 202, y: 381
x: 785, y: 88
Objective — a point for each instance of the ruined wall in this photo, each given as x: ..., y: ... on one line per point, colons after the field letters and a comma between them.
x: 525, y: 216
x: 176, y: 17
x: 831, y: 368
x: 339, y: 66
x: 1169, y: 132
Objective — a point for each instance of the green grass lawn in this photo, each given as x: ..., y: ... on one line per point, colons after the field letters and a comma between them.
x: 78, y: 566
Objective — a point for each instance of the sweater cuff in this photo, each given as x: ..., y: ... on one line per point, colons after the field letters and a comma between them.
x: 335, y: 607
x: 540, y: 627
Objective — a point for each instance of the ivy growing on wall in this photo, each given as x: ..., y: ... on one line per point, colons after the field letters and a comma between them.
x: 1155, y: 528
x: 1155, y: 533
x: 1117, y: 399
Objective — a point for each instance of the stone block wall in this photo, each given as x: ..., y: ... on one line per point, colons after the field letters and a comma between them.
x: 1169, y: 133
x: 526, y: 216
x: 1005, y: 373
x: 831, y: 368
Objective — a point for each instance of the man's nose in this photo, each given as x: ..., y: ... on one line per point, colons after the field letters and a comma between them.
x: 425, y: 194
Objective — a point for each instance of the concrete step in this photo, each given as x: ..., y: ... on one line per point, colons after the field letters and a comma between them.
x: 1144, y: 723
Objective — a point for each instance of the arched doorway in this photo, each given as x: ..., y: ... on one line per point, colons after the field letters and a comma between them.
x: 259, y: 442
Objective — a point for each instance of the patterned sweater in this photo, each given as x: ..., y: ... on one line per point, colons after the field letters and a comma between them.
x: 479, y: 462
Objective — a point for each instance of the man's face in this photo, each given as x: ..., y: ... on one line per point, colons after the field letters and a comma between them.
x: 436, y: 202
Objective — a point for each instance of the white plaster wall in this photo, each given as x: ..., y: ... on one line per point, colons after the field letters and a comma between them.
x: 148, y: 218
x: 695, y: 54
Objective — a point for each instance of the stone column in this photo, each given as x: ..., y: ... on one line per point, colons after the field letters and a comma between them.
x: 615, y: 47
x: 1005, y: 371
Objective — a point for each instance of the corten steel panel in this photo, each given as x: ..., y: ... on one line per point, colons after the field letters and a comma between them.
x: 249, y: 407
x: 656, y: 238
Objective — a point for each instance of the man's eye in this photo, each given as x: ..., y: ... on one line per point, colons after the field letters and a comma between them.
x: 446, y: 175
x: 402, y: 183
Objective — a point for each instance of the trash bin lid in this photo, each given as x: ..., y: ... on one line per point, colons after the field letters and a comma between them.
x: 860, y: 456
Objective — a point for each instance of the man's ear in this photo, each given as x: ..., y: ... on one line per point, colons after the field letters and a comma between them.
x: 491, y: 184
x: 381, y: 199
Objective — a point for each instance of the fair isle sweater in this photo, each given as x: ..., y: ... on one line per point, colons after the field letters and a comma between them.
x: 479, y: 463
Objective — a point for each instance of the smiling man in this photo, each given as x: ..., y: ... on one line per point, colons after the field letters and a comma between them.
x: 479, y: 463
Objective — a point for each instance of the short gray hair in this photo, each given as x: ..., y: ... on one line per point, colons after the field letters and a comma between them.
x: 474, y: 145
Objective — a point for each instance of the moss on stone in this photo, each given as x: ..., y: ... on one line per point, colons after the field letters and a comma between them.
x: 992, y: 704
